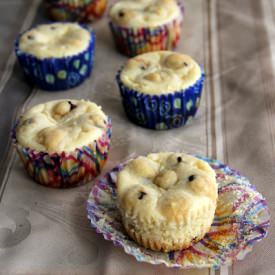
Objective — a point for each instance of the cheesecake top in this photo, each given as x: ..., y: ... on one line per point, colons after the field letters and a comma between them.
x: 166, y: 186
x: 144, y: 13
x: 61, y: 125
x: 55, y: 40
x: 160, y: 72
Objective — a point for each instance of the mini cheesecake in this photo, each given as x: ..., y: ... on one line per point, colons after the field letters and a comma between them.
x: 63, y: 143
x: 161, y: 90
x: 56, y: 56
x: 167, y: 200
x: 144, y: 26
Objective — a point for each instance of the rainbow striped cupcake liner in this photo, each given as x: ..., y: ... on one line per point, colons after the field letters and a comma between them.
x: 75, y: 10
x: 56, y: 74
x: 242, y: 219
x: 161, y: 112
x: 66, y: 169
x: 135, y: 41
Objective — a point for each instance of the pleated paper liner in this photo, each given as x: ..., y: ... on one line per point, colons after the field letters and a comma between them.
x: 161, y: 112
x: 66, y: 169
x: 75, y: 10
x: 242, y: 218
x: 56, y: 74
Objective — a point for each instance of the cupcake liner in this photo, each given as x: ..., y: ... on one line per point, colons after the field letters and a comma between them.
x: 161, y: 112
x: 55, y: 74
x: 242, y: 219
x: 66, y: 169
x: 135, y: 41
x: 75, y: 10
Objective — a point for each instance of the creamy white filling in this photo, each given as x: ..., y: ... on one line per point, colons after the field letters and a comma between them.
x: 55, y: 40
x: 61, y: 125
x: 166, y: 186
x: 160, y: 72
x: 144, y: 13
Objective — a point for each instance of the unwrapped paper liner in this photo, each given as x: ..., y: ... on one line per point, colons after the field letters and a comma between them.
x: 242, y: 218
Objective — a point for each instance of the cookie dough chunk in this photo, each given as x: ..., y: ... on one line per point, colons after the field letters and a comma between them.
x: 167, y: 200
x: 61, y: 125
x: 55, y: 40
x: 160, y: 72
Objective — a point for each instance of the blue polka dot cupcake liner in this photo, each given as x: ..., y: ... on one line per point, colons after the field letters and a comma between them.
x: 161, y: 112
x: 57, y: 74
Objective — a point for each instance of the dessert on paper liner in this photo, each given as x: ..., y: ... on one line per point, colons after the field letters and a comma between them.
x: 240, y: 219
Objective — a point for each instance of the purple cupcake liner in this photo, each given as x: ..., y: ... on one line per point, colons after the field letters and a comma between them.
x: 56, y: 74
x: 161, y: 112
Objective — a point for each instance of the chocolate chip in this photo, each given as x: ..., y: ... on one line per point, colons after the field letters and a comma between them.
x: 185, y: 64
x: 121, y: 14
x: 143, y: 67
x: 30, y: 37
x: 191, y: 178
x: 72, y: 106
x: 53, y: 28
x: 179, y: 159
x: 194, y: 239
x: 141, y: 195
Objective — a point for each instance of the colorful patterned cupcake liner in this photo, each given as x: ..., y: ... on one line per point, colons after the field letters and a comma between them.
x: 242, y: 218
x: 135, y: 41
x: 161, y: 112
x: 75, y: 10
x: 55, y: 74
x: 66, y: 169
